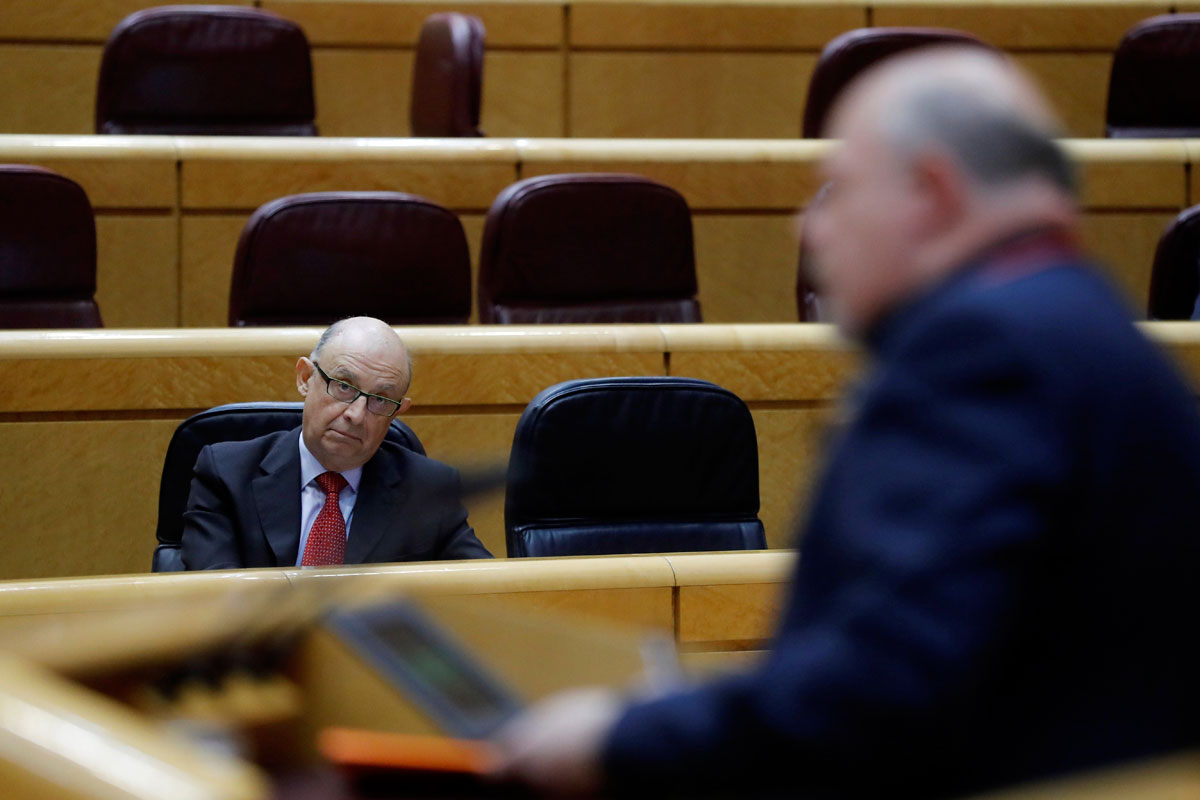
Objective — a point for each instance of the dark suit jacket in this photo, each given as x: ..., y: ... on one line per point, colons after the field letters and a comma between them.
x: 244, y: 508
x: 1000, y: 576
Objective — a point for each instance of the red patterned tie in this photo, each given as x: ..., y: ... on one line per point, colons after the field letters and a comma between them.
x: 327, y: 539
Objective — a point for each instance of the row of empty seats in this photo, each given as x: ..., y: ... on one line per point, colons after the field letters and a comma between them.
x: 231, y: 70
x: 556, y: 249
x: 656, y: 478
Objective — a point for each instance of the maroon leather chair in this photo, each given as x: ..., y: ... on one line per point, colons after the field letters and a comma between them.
x: 220, y: 70
x: 1154, y: 85
x: 311, y: 259
x: 447, y: 89
x: 47, y: 251
x: 854, y: 51
x: 1175, y: 276
x: 588, y: 248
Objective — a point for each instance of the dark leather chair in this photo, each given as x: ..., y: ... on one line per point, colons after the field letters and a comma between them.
x: 809, y: 305
x: 633, y: 465
x: 588, y: 248
x: 311, y: 259
x: 47, y: 251
x: 1153, y: 89
x: 853, y: 52
x: 1175, y: 276
x: 235, y: 422
x: 217, y: 70
x: 447, y: 88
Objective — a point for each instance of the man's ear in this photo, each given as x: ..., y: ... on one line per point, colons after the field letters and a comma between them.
x: 941, y: 189
x: 405, y: 405
x: 304, y: 372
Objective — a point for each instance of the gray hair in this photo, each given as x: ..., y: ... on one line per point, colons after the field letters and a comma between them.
x: 994, y: 144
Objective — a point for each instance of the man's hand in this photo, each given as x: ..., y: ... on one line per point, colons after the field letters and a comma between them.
x: 556, y: 745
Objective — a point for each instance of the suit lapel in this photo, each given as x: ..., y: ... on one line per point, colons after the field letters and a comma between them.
x: 277, y: 497
x: 382, y: 493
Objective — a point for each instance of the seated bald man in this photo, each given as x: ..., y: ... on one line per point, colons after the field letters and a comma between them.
x: 332, y: 491
x: 997, y: 579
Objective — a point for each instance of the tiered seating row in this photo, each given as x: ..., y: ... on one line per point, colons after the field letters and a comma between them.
x: 85, y: 417
x: 170, y: 209
x: 587, y: 68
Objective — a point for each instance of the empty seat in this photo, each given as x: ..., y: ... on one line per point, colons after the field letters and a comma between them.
x: 588, y: 248
x: 220, y: 70
x: 633, y: 465
x: 236, y: 422
x: 1154, y: 85
x: 447, y: 88
x: 854, y: 51
x: 1175, y: 276
x: 47, y: 251
x: 311, y: 259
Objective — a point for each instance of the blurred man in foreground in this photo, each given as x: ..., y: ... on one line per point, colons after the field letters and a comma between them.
x: 997, y: 581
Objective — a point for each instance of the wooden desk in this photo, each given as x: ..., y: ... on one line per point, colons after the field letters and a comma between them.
x: 170, y: 209
x: 85, y: 417
x: 590, y: 68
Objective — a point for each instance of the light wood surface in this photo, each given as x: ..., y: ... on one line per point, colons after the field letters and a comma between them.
x: 170, y: 209
x: 710, y: 68
x: 83, y: 434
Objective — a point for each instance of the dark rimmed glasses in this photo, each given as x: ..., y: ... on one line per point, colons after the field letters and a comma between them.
x: 348, y: 393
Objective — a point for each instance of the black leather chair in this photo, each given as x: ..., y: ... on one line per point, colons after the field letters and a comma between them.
x: 1175, y: 276
x: 229, y: 423
x: 588, y: 248
x: 213, y: 70
x: 633, y: 465
x: 852, y: 52
x: 447, y: 88
x: 47, y: 251
x: 1153, y: 89
x: 312, y: 259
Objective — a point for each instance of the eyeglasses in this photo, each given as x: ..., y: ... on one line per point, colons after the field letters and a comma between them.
x: 348, y: 393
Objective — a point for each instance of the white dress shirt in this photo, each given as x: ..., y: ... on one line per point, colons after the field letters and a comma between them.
x: 312, y: 496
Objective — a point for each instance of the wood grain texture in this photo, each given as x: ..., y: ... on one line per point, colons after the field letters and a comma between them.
x: 729, y: 612
x: 137, y: 271
x: 1124, y: 245
x: 76, y: 20
x: 207, y: 247
x: 362, y: 92
x: 746, y: 267
x: 48, y: 88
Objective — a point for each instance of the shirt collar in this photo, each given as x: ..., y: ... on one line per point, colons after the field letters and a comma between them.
x: 310, y: 468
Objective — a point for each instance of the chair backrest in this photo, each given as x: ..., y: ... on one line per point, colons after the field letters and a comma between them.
x: 854, y: 51
x: 1175, y: 276
x: 235, y: 422
x: 47, y: 251
x: 588, y: 248
x: 1153, y: 89
x: 809, y: 305
x: 633, y: 465
x: 447, y: 88
x: 311, y: 259
x: 219, y: 70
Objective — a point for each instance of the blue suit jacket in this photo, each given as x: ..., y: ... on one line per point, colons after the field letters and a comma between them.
x: 1000, y: 576
x: 244, y: 508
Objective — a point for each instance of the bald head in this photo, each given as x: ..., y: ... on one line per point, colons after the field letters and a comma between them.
x: 943, y: 152
x: 362, y: 333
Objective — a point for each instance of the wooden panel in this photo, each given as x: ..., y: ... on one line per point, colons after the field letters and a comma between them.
x: 207, y: 247
x: 390, y: 22
x: 728, y: 613
x: 362, y: 92
x: 522, y: 94
x: 1125, y: 243
x: 472, y: 442
x: 473, y: 227
x: 1131, y: 174
x: 780, y: 176
x: 83, y: 20
x: 1025, y: 25
x: 48, y: 88
x: 80, y: 498
x: 684, y: 95
x: 791, y: 448
x: 1077, y: 86
x: 806, y: 25
x: 645, y: 607
x: 746, y: 266
x: 137, y: 274
x: 246, y: 182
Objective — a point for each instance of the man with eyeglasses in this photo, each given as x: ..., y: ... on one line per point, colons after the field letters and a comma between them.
x: 332, y: 491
